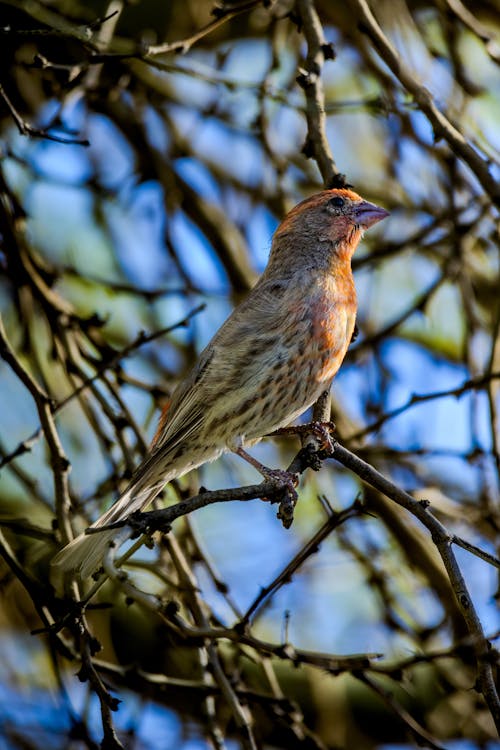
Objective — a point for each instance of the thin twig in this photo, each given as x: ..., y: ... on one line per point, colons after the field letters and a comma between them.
x: 25, y: 128
x: 309, y: 79
x: 107, y: 364
x: 309, y: 548
x: 60, y: 463
x: 184, y: 45
x: 442, y: 126
x: 420, y: 398
x: 469, y: 20
x: 422, y: 736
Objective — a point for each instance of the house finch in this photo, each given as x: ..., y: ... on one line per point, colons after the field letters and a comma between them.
x: 268, y: 363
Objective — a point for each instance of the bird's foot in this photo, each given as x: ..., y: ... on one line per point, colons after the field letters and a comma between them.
x: 316, y: 438
x: 285, y: 483
x: 319, y: 435
x: 319, y: 432
x: 317, y: 443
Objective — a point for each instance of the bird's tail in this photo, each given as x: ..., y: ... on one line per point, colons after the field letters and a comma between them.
x: 84, y: 554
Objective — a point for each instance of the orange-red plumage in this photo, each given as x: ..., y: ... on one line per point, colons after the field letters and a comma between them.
x: 161, y: 423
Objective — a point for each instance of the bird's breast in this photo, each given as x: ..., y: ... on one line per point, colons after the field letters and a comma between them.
x: 332, y: 319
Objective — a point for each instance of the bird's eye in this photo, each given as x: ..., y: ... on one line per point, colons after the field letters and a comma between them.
x: 338, y: 202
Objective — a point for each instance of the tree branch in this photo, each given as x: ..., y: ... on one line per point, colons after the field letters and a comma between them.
x: 485, y: 656
x: 309, y: 79
x: 442, y: 126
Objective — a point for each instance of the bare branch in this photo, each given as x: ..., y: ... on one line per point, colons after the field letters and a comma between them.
x: 442, y: 126
x: 443, y: 542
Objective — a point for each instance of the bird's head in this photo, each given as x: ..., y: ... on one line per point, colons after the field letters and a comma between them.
x: 333, y: 219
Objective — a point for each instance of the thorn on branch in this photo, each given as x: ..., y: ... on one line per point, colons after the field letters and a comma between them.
x: 83, y: 674
x: 307, y: 78
x: 64, y: 464
x: 93, y: 321
x: 287, y: 651
x: 96, y: 25
x: 170, y: 609
x: 438, y: 133
x: 328, y: 51
x: 308, y: 148
x: 296, y: 20
x: 94, y: 645
x: 241, y: 627
x: 218, y: 12
x: 338, y: 180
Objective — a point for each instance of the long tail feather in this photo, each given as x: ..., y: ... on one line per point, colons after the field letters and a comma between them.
x: 85, y: 553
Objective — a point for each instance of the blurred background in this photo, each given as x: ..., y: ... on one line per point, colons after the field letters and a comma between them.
x: 140, y: 188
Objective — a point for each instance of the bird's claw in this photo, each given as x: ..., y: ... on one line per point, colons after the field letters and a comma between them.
x: 317, y: 434
x: 321, y: 433
x: 317, y: 442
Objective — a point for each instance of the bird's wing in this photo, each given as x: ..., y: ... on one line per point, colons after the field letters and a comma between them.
x: 234, y: 364
x: 183, y: 415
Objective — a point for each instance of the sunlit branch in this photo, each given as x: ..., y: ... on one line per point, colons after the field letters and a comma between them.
x: 443, y: 127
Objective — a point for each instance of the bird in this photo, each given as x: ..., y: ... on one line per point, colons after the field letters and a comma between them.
x: 277, y: 352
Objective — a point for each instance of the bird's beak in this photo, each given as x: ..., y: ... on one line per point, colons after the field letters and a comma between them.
x: 367, y: 214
